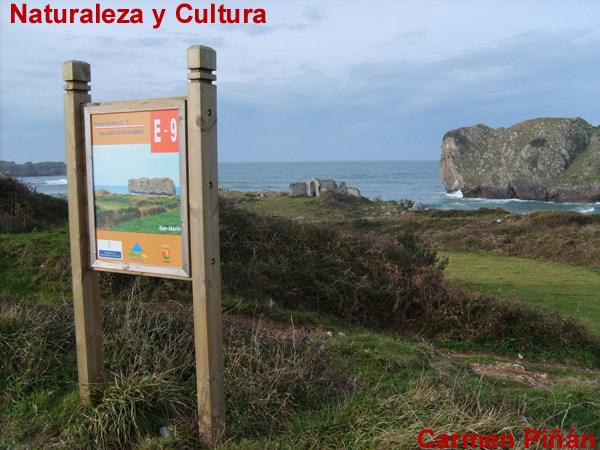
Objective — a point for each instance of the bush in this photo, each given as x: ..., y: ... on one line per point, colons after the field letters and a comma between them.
x: 364, y: 280
x: 383, y: 283
x: 509, y: 326
x: 22, y: 209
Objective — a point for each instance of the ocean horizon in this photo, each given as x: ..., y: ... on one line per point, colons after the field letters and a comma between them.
x: 388, y: 180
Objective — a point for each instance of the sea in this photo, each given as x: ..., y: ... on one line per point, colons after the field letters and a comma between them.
x: 388, y: 180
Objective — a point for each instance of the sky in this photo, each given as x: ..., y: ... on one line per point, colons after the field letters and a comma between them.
x: 322, y: 80
x: 115, y: 165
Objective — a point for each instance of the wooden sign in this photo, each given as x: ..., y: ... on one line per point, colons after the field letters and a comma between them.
x: 137, y: 187
x: 143, y: 199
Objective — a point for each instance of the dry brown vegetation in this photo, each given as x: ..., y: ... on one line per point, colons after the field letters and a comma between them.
x: 559, y: 236
x: 393, y: 283
x: 150, y: 379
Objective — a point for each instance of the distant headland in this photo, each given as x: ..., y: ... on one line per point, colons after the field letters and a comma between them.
x: 548, y: 159
x: 29, y: 169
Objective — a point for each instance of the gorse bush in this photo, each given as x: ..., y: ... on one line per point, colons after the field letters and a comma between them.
x: 107, y: 218
x: 550, y: 235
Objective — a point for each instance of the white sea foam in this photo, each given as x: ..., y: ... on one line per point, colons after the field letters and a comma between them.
x: 586, y: 210
x: 455, y: 194
x: 59, y: 182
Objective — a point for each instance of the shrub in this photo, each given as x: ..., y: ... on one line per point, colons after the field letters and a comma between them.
x: 22, y: 209
x: 365, y: 280
x: 392, y: 283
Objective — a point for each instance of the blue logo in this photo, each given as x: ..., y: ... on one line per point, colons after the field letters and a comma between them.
x: 136, y: 251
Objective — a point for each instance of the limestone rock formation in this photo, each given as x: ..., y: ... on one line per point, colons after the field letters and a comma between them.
x: 151, y: 186
x: 541, y: 159
x: 317, y: 186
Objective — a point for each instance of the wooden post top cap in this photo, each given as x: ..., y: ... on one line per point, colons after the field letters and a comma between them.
x: 76, y: 71
x: 201, y: 57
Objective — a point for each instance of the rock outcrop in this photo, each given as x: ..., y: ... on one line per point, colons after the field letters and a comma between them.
x: 152, y: 186
x: 540, y: 159
x: 317, y: 186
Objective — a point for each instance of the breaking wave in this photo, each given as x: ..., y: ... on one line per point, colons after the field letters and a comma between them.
x: 455, y: 194
x: 60, y: 182
x: 586, y: 210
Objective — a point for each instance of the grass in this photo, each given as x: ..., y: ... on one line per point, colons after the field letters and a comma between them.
x: 328, y: 207
x: 287, y: 387
x: 110, y: 201
x: 558, y: 236
x: 585, y: 170
x: 307, y: 363
x: 152, y: 224
x: 137, y: 213
x: 564, y: 288
x: 150, y: 376
x: 35, y: 265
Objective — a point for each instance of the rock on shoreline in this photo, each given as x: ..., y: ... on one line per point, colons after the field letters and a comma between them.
x: 546, y: 159
x: 151, y: 186
x: 317, y: 186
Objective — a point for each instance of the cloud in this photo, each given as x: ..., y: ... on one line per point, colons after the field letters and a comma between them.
x: 333, y: 81
x: 400, y: 109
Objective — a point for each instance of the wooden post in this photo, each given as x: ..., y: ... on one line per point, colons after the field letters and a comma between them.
x: 86, y: 299
x: 204, y: 240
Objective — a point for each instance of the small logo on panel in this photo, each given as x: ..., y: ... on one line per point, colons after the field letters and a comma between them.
x: 108, y: 249
x: 165, y: 251
x: 136, y: 251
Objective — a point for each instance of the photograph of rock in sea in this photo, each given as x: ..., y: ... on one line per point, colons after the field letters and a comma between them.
x: 125, y: 200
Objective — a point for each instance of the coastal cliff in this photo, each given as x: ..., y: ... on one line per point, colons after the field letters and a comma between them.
x: 29, y: 169
x: 549, y: 159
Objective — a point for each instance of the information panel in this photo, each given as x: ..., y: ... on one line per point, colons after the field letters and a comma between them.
x: 136, y: 162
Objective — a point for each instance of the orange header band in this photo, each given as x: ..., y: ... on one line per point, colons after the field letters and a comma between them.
x: 121, y: 128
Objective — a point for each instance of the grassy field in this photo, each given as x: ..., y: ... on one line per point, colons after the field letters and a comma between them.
x: 137, y: 213
x: 564, y: 288
x: 151, y: 224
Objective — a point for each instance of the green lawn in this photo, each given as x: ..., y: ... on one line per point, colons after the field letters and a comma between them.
x: 563, y: 287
